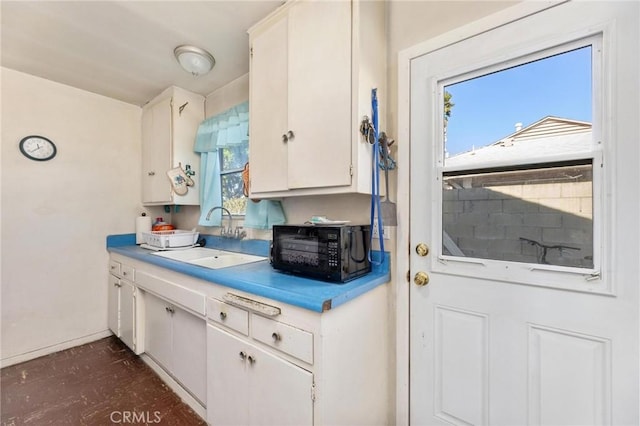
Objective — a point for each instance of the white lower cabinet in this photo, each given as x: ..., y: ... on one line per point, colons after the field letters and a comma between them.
x: 122, y: 306
x: 241, y: 359
x: 176, y: 339
x: 250, y: 386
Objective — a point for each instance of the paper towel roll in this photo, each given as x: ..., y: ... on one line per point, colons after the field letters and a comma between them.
x: 143, y: 224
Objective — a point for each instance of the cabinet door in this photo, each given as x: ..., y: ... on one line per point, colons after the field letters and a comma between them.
x: 279, y: 392
x: 267, y: 149
x: 156, y: 152
x: 127, y: 314
x: 189, y: 352
x: 157, y: 331
x: 113, y: 316
x: 320, y: 94
x: 227, y: 402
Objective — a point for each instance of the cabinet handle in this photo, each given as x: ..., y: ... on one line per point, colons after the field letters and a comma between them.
x: 285, y: 138
x: 290, y: 135
x: 151, y: 173
x: 169, y: 309
x: 117, y: 284
x: 276, y: 337
x: 251, y: 359
x: 243, y: 355
x: 125, y: 274
x: 223, y: 316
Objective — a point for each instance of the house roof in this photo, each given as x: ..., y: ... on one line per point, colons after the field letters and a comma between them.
x: 546, y: 137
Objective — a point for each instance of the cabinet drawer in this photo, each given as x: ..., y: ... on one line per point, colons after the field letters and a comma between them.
x: 128, y: 272
x: 172, y: 292
x: 222, y: 313
x: 114, y: 268
x: 288, y: 339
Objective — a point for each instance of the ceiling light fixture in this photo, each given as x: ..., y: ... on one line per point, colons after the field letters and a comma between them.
x: 194, y: 60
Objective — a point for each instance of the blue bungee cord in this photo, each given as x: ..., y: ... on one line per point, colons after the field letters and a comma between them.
x: 375, y: 181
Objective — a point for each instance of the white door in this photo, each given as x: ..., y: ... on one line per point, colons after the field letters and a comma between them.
x: 157, y: 330
x: 269, y: 97
x: 127, y: 314
x: 319, y: 76
x: 279, y: 391
x: 227, y: 379
x: 114, y: 305
x: 189, y: 353
x: 551, y: 338
x: 156, y: 152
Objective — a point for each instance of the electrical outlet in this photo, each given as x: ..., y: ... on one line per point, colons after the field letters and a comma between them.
x: 374, y: 231
x: 386, y: 231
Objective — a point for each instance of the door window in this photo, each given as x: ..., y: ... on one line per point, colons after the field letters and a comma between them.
x: 520, y: 158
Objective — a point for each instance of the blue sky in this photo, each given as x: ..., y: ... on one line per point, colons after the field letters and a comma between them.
x: 487, y: 108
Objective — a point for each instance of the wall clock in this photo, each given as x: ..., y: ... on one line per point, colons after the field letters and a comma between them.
x: 38, y: 148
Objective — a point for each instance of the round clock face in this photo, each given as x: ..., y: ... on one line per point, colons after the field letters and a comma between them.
x: 38, y: 148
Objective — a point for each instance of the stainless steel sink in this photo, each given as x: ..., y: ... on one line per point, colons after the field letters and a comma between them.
x: 209, y: 258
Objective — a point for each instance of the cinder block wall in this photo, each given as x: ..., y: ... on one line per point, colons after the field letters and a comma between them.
x: 488, y: 222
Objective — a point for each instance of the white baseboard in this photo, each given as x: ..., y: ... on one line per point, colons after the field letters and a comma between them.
x: 175, y: 386
x: 16, y: 359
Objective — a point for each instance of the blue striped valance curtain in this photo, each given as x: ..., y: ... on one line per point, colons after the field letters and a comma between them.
x: 229, y: 128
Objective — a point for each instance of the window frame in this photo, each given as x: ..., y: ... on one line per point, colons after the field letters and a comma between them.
x: 573, y: 278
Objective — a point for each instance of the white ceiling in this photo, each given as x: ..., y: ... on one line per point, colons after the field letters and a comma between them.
x: 124, y: 49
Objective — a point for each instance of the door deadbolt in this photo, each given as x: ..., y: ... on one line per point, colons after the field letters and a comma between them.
x: 422, y: 249
x: 421, y: 279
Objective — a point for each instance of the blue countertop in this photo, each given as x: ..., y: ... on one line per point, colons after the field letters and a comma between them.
x: 260, y: 278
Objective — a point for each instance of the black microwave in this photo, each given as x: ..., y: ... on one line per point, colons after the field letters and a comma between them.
x: 330, y: 253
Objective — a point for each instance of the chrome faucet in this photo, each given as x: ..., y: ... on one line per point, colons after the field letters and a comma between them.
x: 223, y: 231
x: 228, y: 232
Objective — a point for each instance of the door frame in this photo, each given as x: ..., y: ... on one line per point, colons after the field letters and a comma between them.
x: 402, y: 276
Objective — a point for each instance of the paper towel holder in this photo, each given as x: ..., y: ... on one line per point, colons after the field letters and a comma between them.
x: 143, y: 224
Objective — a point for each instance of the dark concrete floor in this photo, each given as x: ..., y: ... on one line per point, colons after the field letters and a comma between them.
x: 100, y: 383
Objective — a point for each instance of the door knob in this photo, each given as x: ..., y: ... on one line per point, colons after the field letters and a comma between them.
x: 421, y: 279
x: 422, y: 249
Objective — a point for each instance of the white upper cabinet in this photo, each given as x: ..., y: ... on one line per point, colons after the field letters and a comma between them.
x: 169, y: 125
x: 313, y: 66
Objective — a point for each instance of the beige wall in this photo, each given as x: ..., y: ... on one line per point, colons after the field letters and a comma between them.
x: 56, y: 214
x: 227, y: 96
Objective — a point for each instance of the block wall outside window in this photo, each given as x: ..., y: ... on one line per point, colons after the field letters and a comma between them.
x: 513, y: 216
